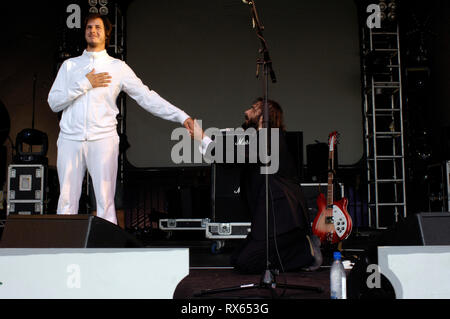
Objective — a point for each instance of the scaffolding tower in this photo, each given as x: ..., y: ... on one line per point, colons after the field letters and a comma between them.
x: 117, y: 46
x: 384, y: 130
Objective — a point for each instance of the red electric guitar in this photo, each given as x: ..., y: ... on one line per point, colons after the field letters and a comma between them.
x: 333, y: 223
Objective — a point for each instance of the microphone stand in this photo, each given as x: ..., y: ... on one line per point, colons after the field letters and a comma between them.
x: 268, y: 279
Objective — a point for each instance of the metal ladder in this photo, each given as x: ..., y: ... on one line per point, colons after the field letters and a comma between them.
x: 384, y: 131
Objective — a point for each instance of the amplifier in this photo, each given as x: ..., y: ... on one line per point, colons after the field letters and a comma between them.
x: 227, y: 205
x: 294, y: 142
x: 317, y: 162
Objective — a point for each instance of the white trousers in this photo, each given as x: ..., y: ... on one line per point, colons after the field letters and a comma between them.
x: 100, y: 158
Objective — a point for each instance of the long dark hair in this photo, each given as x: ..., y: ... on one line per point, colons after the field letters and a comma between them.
x: 275, y: 114
x: 106, y: 23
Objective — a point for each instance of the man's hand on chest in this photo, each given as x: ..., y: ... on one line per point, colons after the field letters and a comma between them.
x: 99, y: 80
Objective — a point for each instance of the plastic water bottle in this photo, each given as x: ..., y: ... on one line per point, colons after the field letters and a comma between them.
x: 338, y: 280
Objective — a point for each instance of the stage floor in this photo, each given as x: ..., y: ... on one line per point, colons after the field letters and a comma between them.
x: 200, y: 280
x: 210, y: 270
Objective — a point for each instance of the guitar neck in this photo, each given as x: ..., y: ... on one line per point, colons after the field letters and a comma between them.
x: 330, y: 189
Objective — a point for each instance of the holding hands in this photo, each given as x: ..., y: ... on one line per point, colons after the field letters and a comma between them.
x: 194, y: 129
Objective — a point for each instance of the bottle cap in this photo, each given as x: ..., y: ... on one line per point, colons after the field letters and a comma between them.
x: 337, y: 256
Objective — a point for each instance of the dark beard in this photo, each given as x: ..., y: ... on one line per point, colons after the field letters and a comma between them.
x: 250, y: 124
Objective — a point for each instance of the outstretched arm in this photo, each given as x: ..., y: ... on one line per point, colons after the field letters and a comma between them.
x: 151, y: 101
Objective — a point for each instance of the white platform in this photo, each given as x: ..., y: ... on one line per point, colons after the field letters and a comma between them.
x: 417, y: 272
x: 91, y: 273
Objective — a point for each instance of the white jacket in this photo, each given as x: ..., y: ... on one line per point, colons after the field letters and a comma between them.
x: 90, y: 114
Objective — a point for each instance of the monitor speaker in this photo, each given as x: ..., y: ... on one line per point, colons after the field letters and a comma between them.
x: 423, y: 229
x: 58, y: 231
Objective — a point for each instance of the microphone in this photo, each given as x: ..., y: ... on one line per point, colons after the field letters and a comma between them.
x: 250, y: 3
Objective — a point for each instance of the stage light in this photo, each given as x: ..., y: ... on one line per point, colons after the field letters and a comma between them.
x: 104, y: 11
x: 388, y: 10
x: 392, y: 16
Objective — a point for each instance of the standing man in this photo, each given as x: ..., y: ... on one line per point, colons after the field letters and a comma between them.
x: 85, y: 90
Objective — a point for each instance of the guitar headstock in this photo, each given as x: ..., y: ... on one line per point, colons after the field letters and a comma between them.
x: 333, y: 140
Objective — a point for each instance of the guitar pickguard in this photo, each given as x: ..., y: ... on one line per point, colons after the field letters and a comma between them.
x: 340, y: 221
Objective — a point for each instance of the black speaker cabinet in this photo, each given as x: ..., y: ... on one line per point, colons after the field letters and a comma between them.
x: 317, y: 161
x: 227, y: 204
x: 294, y: 142
x: 57, y: 231
x: 424, y: 229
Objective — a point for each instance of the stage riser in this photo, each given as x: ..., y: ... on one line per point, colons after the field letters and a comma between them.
x: 91, y: 273
x: 417, y: 272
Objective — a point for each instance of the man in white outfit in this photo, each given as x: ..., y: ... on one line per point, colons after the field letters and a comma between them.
x: 85, y: 90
